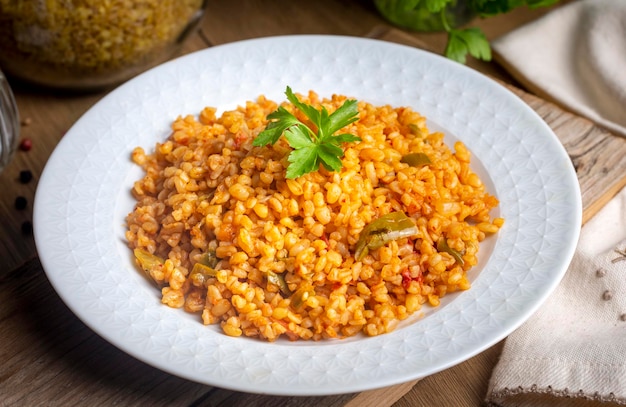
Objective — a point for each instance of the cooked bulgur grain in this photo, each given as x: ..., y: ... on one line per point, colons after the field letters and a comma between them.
x: 224, y: 234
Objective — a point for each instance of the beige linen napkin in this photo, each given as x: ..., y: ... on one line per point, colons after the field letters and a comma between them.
x: 574, y: 348
x: 572, y: 352
x: 574, y: 56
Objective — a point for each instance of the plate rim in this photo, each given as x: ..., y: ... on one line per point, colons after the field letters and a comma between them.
x: 57, y: 155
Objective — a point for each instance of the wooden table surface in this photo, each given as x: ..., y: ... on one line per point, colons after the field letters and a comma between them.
x: 49, y: 357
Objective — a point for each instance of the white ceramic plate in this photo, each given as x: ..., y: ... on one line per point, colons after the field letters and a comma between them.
x: 83, y: 197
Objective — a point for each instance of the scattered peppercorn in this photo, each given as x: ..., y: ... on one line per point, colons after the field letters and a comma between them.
x: 622, y: 317
x: 25, y: 176
x: 26, y: 121
x: 607, y: 295
x: 600, y: 272
x: 27, y: 227
x: 20, y: 203
x: 26, y: 144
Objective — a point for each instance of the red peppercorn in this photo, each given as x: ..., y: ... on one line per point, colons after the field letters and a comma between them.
x: 26, y: 144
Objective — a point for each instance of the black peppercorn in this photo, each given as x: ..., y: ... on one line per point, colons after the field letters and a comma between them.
x: 20, y: 203
x: 27, y: 227
x: 25, y: 176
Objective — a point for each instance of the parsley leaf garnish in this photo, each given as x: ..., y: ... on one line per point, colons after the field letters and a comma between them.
x: 310, y: 148
x: 469, y: 40
x: 409, y: 13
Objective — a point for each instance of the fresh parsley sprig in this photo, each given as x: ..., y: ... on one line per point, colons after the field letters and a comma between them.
x: 461, y: 41
x: 472, y: 40
x: 467, y: 41
x: 311, y: 147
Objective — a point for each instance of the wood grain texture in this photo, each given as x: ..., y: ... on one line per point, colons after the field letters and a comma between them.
x: 49, y: 357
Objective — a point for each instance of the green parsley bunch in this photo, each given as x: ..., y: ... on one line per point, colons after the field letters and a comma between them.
x: 465, y: 41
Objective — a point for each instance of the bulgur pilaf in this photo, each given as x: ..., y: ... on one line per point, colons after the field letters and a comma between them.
x: 224, y: 234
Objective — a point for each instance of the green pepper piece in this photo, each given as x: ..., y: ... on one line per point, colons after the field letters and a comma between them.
x: 442, y: 246
x: 148, y: 262
x: 416, y: 159
x: 209, y: 259
x: 392, y: 226
x: 299, y: 297
x: 415, y: 130
x: 200, y: 274
x: 279, y: 280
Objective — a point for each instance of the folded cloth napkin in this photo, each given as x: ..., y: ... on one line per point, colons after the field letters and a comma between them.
x: 573, y: 350
x: 574, y: 56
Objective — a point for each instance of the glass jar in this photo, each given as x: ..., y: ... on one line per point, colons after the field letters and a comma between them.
x: 91, y: 44
x: 9, y: 123
x: 407, y: 15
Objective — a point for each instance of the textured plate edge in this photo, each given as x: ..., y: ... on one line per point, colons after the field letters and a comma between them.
x: 365, y: 386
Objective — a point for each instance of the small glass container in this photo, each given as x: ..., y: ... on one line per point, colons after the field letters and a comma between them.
x: 9, y: 123
x: 91, y: 44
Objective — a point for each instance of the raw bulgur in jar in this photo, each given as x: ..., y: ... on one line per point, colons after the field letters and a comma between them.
x: 224, y: 234
x: 90, y: 44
